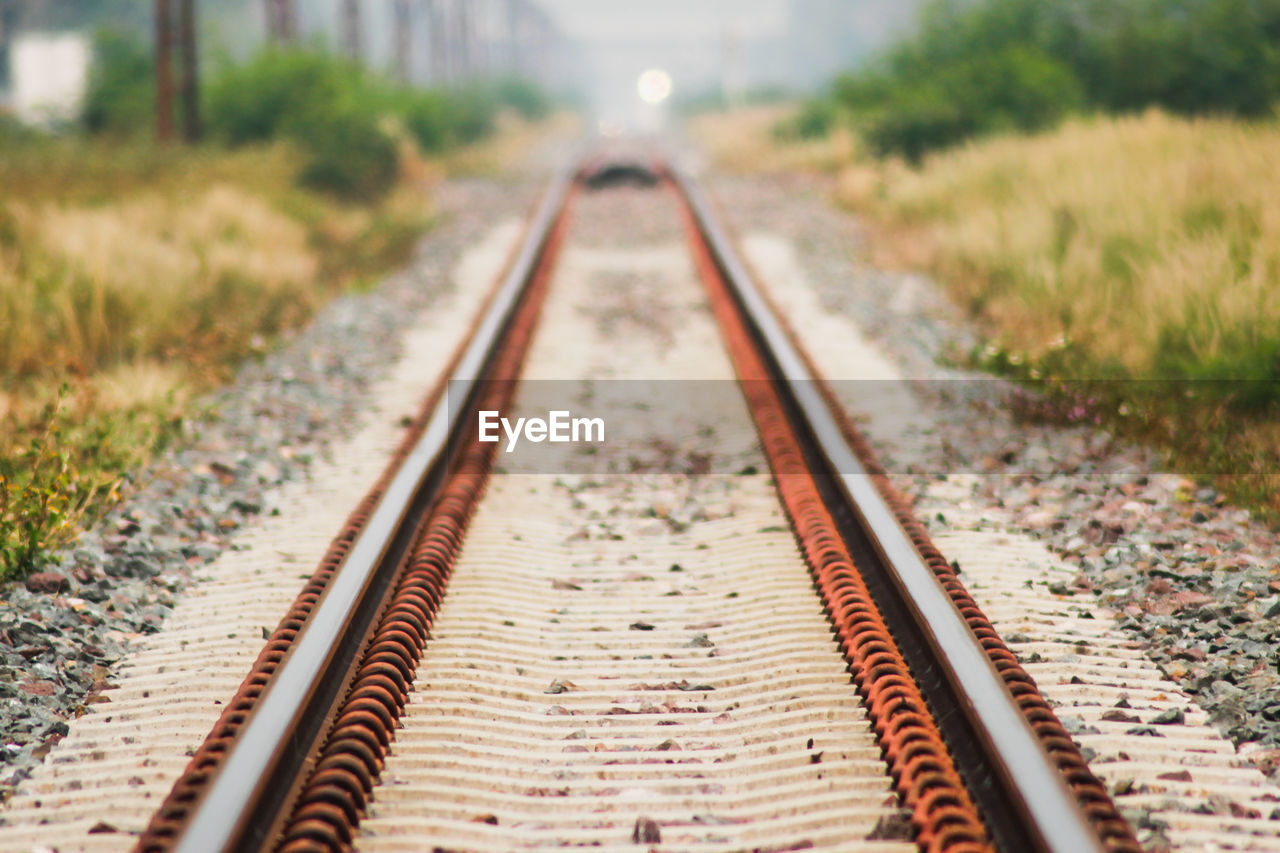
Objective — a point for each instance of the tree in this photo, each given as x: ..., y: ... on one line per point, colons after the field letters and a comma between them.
x: 164, y: 71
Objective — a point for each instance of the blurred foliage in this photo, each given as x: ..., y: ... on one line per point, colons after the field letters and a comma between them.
x: 14, y: 133
x: 133, y: 275
x: 350, y: 155
x: 280, y: 93
x: 343, y: 119
x: 815, y: 119
x: 428, y: 116
x: 698, y: 102
x: 326, y: 105
x: 120, y: 100
x: 989, y: 66
x: 528, y: 100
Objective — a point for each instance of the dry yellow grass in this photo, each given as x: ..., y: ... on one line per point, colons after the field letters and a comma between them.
x: 145, y: 275
x: 119, y: 256
x: 1151, y: 243
x: 510, y: 145
x: 743, y: 141
x: 132, y: 277
x: 147, y: 383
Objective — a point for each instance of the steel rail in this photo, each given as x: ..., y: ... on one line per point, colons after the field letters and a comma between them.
x: 1020, y: 791
x: 245, y: 801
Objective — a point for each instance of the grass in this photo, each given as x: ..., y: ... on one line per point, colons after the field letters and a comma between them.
x: 1147, y: 246
x: 1130, y: 264
x: 744, y: 140
x: 131, y: 278
x: 510, y: 144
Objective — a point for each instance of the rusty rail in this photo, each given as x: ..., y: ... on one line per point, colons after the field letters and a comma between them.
x: 245, y: 803
x: 1029, y: 799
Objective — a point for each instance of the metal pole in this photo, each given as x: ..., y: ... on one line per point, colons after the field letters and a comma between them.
x: 284, y: 8
x: 164, y: 71
x: 402, y: 38
x: 351, y: 17
x: 439, y: 44
x: 464, y: 42
x: 513, y: 37
x: 271, y: 10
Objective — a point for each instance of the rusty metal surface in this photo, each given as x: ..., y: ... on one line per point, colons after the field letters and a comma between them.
x: 335, y: 796
x: 928, y: 782
x: 1077, y: 815
x: 174, y: 822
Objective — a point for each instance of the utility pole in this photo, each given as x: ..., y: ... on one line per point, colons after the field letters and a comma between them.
x: 164, y: 71
x: 279, y: 20
x: 190, y: 71
x: 351, y: 19
x: 403, y: 36
x: 5, y: 11
x: 513, y: 37
x: 464, y: 42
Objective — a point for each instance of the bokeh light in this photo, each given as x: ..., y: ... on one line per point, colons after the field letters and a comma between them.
x: 654, y: 86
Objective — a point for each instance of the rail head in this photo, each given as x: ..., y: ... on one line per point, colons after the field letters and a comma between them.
x: 1034, y: 790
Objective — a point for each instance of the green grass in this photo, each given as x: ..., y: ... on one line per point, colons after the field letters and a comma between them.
x: 66, y: 466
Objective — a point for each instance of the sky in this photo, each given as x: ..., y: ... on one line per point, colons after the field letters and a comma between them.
x: 593, y: 19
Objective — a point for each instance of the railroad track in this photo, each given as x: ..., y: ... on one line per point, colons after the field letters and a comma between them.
x: 768, y: 659
x: 974, y: 754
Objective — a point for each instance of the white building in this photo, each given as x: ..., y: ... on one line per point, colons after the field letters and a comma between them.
x: 48, y: 74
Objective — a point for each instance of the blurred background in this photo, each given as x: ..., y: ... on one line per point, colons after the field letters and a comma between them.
x: 718, y: 50
x: 1092, y: 184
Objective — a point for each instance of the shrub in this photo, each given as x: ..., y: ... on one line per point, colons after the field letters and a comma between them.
x: 471, y: 112
x: 349, y: 154
x: 525, y: 97
x: 14, y: 133
x: 918, y: 120
x: 977, y: 66
x: 335, y: 111
x: 1018, y: 88
x: 280, y: 93
x: 428, y: 116
x: 815, y: 120
x: 43, y: 495
x: 329, y: 107
x: 120, y: 99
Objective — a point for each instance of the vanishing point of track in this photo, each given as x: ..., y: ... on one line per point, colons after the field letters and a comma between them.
x: 973, y: 753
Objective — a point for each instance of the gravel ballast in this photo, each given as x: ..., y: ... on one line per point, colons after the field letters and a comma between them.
x: 1195, y: 579
x: 62, y: 631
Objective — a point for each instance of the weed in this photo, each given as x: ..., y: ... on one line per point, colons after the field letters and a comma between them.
x: 43, y: 494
